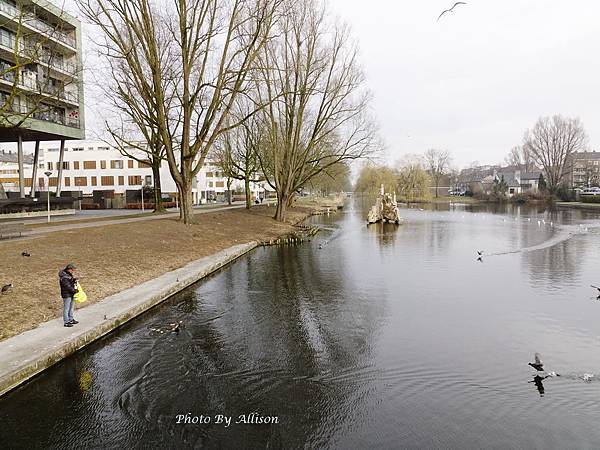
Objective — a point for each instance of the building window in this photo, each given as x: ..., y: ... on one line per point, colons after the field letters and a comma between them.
x: 50, y: 166
x: 75, y: 165
x: 54, y: 181
x: 68, y: 181
x: 121, y: 180
x: 116, y: 164
x: 80, y: 181
x: 89, y: 165
x: 53, y: 149
x: 209, y: 174
x: 103, y: 148
x: 41, y: 165
x: 210, y: 184
x: 103, y: 164
x: 130, y: 164
x: 107, y: 181
x: 144, y: 164
x: 94, y: 181
x: 134, y: 180
x: 148, y: 180
x: 220, y: 184
x: 78, y: 149
x: 65, y: 165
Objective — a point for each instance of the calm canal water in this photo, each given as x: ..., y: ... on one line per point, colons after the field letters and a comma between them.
x: 387, y: 337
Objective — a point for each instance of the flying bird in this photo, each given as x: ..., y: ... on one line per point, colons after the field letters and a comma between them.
x: 480, y: 259
x: 27, y: 254
x: 6, y: 288
x: 480, y: 252
x: 595, y: 287
x: 538, y: 364
x: 451, y: 9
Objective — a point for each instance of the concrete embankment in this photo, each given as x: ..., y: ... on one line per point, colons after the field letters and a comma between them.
x: 27, y: 354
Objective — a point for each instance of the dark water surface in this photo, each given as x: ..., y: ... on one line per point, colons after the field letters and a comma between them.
x: 387, y: 337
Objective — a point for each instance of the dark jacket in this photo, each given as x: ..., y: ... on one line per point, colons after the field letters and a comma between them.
x: 67, y: 284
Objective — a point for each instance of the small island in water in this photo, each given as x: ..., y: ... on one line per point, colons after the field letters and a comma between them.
x: 385, y: 209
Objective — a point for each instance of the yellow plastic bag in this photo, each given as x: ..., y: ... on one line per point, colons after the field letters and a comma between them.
x: 80, y: 296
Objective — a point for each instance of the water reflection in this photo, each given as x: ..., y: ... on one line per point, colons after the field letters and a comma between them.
x: 377, y: 339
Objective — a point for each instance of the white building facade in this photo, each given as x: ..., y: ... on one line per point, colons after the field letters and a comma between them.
x: 90, y: 166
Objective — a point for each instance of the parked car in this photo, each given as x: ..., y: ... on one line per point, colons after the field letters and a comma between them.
x: 457, y: 193
x: 591, y: 191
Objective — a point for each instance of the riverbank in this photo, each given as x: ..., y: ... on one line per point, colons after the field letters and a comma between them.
x: 111, y: 258
x: 579, y: 205
x: 147, y: 263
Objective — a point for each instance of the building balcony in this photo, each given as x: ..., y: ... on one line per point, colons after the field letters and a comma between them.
x: 26, y: 84
x: 32, y: 22
x: 10, y: 44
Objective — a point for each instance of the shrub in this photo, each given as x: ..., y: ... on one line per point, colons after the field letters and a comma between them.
x: 590, y: 198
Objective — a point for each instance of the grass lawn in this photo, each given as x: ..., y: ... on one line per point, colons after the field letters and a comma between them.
x: 112, y: 258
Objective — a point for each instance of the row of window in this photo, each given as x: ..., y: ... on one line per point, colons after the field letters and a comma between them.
x: 78, y: 149
x: 132, y: 180
x: 91, y: 165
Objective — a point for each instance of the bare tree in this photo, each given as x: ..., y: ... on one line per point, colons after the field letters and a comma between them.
x: 551, y: 143
x: 316, y: 113
x: 521, y: 158
x: 236, y: 154
x: 438, y: 164
x: 189, y: 60
x: 413, y: 180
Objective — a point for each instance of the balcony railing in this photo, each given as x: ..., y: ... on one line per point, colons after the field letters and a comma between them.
x: 32, y: 85
x: 52, y: 116
x: 34, y: 22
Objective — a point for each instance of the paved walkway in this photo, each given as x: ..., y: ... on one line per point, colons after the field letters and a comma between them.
x: 100, y: 223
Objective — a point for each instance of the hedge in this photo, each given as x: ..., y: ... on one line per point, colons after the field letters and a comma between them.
x: 590, y: 198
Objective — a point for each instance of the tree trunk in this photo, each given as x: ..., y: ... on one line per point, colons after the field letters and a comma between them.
x: 437, y: 183
x: 186, y: 203
x: 248, y: 193
x: 282, y: 203
x: 229, y: 191
x: 158, y: 207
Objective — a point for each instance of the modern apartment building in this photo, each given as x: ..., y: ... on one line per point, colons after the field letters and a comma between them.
x: 585, y: 169
x: 89, y: 166
x: 40, y: 75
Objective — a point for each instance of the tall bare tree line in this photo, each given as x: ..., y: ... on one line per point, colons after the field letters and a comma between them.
x: 180, y: 69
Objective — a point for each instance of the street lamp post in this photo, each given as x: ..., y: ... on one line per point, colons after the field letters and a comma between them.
x: 48, y: 173
x: 143, y: 184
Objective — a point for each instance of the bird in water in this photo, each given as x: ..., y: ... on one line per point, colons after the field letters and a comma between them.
x: 175, y: 327
x: 538, y: 364
x: 6, y: 288
x: 26, y: 254
x: 539, y: 384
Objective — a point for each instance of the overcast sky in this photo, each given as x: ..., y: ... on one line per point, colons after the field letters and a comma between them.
x: 473, y: 82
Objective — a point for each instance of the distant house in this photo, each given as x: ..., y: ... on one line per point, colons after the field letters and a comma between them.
x: 481, y: 180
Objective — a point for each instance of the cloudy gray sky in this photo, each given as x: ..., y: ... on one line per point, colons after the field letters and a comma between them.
x: 473, y: 82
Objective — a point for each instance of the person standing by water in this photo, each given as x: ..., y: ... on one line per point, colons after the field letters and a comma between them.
x: 67, y: 291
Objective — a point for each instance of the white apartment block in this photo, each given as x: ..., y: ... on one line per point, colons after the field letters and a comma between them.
x: 90, y: 166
